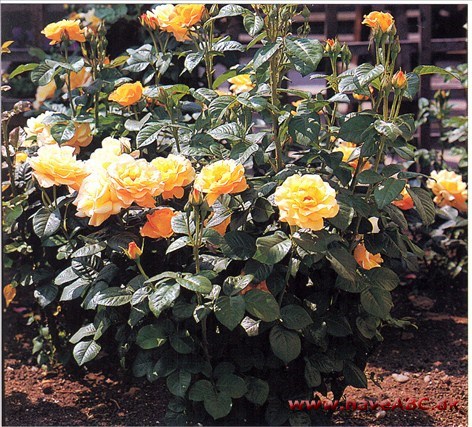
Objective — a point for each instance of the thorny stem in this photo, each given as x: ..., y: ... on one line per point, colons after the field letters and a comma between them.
x: 69, y: 90
x: 11, y: 169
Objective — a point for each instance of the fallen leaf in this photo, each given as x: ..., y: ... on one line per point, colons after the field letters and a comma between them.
x: 9, y: 292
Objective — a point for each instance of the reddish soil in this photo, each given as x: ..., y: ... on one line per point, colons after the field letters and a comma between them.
x: 437, y: 349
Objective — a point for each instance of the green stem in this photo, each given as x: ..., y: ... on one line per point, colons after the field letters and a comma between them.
x: 140, y: 268
x: 11, y: 168
x: 69, y: 90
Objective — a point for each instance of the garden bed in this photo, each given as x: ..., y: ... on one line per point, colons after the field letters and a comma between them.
x: 438, y: 349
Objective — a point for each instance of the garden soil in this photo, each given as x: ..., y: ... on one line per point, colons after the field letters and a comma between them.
x: 431, y: 361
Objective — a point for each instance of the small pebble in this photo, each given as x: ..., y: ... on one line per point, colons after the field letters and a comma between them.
x: 380, y: 414
x: 400, y: 378
x: 427, y: 379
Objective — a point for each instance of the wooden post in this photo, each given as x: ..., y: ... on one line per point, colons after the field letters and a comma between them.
x: 425, y: 58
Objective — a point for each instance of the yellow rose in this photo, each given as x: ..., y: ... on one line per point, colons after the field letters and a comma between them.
x: 163, y: 14
x: 241, y: 83
x: 379, y: 21
x: 21, y: 157
x: 158, y: 224
x: 305, y: 200
x: 103, y: 157
x: 135, y: 181
x: 81, y: 79
x: 176, y: 172
x: 449, y: 189
x: 65, y: 29
x: 183, y: 17
x: 97, y: 199
x: 56, y: 165
x: 82, y: 137
x: 365, y: 259
x: 43, y: 93
x: 35, y: 125
x: 127, y: 94
x: 348, y: 148
x: 406, y: 202
x: 221, y: 177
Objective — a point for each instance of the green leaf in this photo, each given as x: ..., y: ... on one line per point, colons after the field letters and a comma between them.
x: 397, y: 216
x: 178, y: 382
x: 238, y: 245
x: 388, y: 191
x: 74, y: 290
x: 305, y: 54
x: 304, y: 129
x: 149, y: 133
x: 216, y: 84
x: 390, y: 130
x: 377, y: 302
x: 83, y: 332
x: 353, y: 375
x: 272, y: 249
x: 265, y: 53
x: 369, y: 177
x: 182, y: 343
x: 262, y: 305
x: 43, y: 74
x: 233, y: 285
x: 230, y: 310
x: 114, y: 297
x: 365, y: 73
x: 85, y: 351
x: 163, y: 297
x: 257, y: 390
x: 151, y: 336
x: 344, y: 217
x: 218, y: 405
x: 23, y: 68
x: 90, y: 249
x: 422, y: 70
x: 231, y: 10
x: 228, y: 131
x: 192, y: 60
x: 338, y: 325
x: 299, y: 419
x: 315, y: 242
x: 45, y: 294
x: 312, y: 375
x: 201, y: 390
x: 352, y: 130
x: 253, y: 23
x: 383, y: 278
x: 232, y: 385
x: 343, y: 263
x: 295, y: 317
x: 177, y: 244
x: 423, y: 204
x: 46, y: 223
x: 285, y: 344
x: 413, y: 85
x: 166, y: 364
x: 195, y: 283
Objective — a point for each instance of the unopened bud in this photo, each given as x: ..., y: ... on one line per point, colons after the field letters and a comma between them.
x: 195, y: 198
x: 133, y: 251
x: 399, y: 80
x: 346, y: 55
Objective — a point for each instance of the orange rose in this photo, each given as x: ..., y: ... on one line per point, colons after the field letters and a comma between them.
x: 222, y: 226
x: 365, y: 259
x: 135, y: 181
x: 149, y: 20
x: 158, y: 224
x: 399, y: 80
x: 183, y: 17
x: 127, y: 94
x: 43, y: 93
x: 221, y: 177
x: 82, y: 137
x: 83, y: 78
x: 133, y: 251
x: 379, y: 21
x: 348, y: 148
x: 97, y: 199
x: 176, y: 172
x: 359, y: 97
x: 56, y: 165
x: 406, y: 202
x: 64, y: 30
x: 449, y: 189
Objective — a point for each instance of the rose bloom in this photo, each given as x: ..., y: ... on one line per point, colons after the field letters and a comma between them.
x: 127, y: 94
x: 399, y: 80
x: 97, y: 199
x: 449, y: 189
x: 221, y: 227
x: 406, y: 202
x: 56, y: 165
x: 365, y: 259
x: 103, y: 157
x: 183, y: 17
x: 43, y: 93
x: 149, y: 19
x: 241, y: 83
x: 21, y: 157
x: 221, y: 177
x: 158, y: 224
x: 359, y: 97
x: 163, y: 15
x: 176, y: 172
x: 135, y: 181
x: 305, y: 200
x: 133, y: 251
x: 347, y: 148
x: 82, y: 137
x: 81, y: 79
x: 35, y: 125
x: 379, y: 21
x: 65, y: 29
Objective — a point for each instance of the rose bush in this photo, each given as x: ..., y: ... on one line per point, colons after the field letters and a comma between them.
x: 246, y: 265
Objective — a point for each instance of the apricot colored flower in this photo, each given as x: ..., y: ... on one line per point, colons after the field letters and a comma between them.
x: 399, y: 80
x: 135, y: 181
x: 449, y: 189
x: 347, y: 148
x: 127, y: 94
x: 176, y: 172
x: 365, y: 259
x: 82, y: 137
x: 379, y: 21
x: 133, y: 251
x: 97, y: 199
x: 163, y: 15
x: 241, y: 83
x: 359, y: 97
x: 221, y: 227
x: 103, y: 157
x: 64, y: 30
x: 305, y: 200
x: 82, y: 78
x: 158, y: 224
x: 35, y: 125
x: 56, y: 165
x: 221, y: 177
x: 21, y: 157
x: 149, y: 20
x: 43, y: 93
x: 406, y: 202
x: 183, y: 17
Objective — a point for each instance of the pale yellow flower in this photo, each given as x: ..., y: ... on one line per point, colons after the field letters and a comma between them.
x: 449, y: 189
x: 176, y: 172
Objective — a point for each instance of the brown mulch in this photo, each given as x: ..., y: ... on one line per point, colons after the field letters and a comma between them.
x: 109, y: 396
